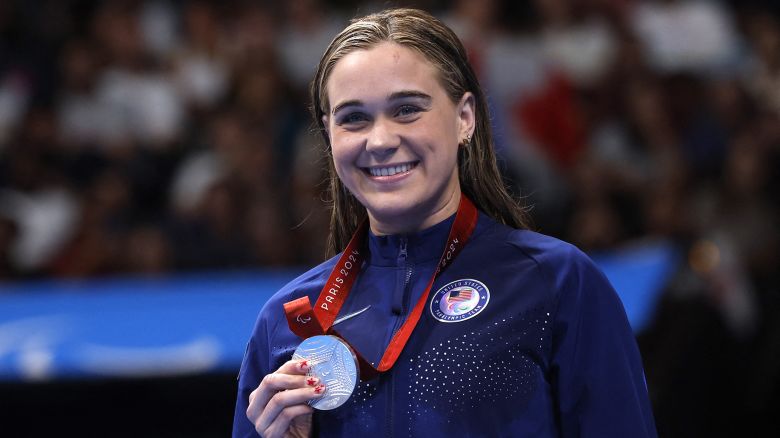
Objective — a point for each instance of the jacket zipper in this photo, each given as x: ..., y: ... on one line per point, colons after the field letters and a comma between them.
x: 402, y: 262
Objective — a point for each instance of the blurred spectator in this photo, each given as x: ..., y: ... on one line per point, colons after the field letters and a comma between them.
x: 8, y: 234
x: 80, y: 113
x: 202, y: 70
x: 310, y: 26
x: 106, y: 213
x: 137, y: 97
x: 576, y: 41
x: 35, y: 195
x: 14, y: 93
x: 146, y: 251
x: 764, y: 79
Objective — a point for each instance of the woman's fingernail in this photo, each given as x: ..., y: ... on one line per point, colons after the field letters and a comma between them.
x: 303, y: 365
x: 312, y: 381
x: 319, y: 389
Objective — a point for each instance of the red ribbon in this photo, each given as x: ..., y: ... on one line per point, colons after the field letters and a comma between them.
x: 306, y: 321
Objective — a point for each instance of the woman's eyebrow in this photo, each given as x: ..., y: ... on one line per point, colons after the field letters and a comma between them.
x: 343, y: 105
x: 410, y: 93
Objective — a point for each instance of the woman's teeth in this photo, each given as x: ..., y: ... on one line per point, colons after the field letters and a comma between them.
x: 391, y: 170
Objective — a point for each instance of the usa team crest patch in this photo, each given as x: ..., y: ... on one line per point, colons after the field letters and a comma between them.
x: 459, y: 300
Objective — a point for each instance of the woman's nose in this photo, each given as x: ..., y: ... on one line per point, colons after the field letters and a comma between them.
x: 382, y: 138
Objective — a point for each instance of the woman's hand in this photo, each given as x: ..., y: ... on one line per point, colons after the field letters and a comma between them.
x: 278, y: 406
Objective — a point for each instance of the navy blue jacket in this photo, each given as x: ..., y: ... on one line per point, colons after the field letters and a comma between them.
x: 542, y: 349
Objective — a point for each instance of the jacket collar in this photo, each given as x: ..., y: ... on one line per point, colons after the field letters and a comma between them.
x: 421, y: 246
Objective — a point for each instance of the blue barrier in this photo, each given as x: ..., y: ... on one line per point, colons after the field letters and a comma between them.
x: 131, y: 326
x: 639, y: 273
x: 136, y: 327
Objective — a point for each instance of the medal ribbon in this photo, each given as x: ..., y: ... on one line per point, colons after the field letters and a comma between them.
x: 306, y: 321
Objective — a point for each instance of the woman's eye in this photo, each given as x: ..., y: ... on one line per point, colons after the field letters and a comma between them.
x: 407, y: 110
x: 353, y: 118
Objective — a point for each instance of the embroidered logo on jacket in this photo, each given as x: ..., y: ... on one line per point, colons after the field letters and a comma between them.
x: 459, y: 300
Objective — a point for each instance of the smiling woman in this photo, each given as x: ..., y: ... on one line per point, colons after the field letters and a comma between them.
x: 394, y: 135
x: 407, y: 37
x: 462, y: 322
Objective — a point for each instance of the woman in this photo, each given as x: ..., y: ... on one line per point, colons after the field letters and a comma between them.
x: 518, y: 334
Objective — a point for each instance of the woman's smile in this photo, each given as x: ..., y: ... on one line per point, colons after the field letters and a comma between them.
x: 391, y: 172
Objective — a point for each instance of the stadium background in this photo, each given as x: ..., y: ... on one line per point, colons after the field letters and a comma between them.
x: 159, y: 177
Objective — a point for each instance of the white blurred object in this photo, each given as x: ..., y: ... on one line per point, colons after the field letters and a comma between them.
x: 194, y: 177
x: 299, y: 48
x: 145, y: 106
x: 197, y: 355
x: 30, y: 342
x: 689, y: 35
x: 582, y: 51
x: 46, y: 219
x: 201, y: 78
x: 514, y: 66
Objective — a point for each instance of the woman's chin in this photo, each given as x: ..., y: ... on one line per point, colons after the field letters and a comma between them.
x: 395, y: 217
x: 400, y: 218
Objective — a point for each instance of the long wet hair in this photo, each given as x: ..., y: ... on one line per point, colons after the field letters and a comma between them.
x: 478, y: 172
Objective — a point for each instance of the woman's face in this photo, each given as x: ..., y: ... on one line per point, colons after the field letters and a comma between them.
x: 394, y: 134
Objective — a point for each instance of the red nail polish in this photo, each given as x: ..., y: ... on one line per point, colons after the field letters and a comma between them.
x: 303, y: 364
x: 311, y: 381
x: 319, y: 389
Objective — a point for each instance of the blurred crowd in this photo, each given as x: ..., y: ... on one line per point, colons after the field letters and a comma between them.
x: 157, y: 136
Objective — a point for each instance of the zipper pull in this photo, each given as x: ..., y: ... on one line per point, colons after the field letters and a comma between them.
x: 402, y: 250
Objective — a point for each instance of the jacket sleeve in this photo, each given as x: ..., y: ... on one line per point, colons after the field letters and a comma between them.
x: 253, y: 369
x: 596, y: 369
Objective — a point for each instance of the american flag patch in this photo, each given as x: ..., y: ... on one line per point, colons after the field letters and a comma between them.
x: 457, y: 296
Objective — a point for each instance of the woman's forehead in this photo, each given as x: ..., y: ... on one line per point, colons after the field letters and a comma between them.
x: 380, y: 71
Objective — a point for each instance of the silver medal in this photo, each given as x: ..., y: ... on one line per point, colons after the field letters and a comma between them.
x: 333, y: 362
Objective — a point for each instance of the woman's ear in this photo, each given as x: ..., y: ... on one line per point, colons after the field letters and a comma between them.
x: 466, y: 117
